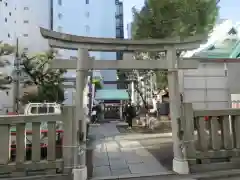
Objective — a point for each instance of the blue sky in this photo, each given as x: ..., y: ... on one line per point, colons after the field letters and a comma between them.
x: 229, y: 9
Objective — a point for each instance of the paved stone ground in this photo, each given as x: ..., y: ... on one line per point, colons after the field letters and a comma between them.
x: 117, y: 154
x: 158, y: 144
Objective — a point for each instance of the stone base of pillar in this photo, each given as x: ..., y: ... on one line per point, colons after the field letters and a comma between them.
x: 80, y: 174
x: 180, y: 167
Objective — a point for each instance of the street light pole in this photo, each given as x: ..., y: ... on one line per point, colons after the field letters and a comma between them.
x: 16, y: 80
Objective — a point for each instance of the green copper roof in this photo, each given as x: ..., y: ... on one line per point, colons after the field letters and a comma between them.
x: 112, y: 94
x: 223, y: 48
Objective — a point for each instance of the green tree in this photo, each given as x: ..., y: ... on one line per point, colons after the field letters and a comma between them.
x: 48, y: 82
x: 5, y: 50
x: 160, y: 19
x: 97, y: 83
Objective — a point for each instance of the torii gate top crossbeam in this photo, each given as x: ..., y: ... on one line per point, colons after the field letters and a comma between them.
x: 67, y: 41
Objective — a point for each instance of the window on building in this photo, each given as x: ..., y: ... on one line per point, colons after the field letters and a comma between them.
x: 10, y: 13
x: 5, y: 19
x: 6, y: 3
x: 118, y: 32
x: 59, y: 2
x: 118, y: 21
x: 25, y: 21
x: 9, y: 35
x: 87, y: 14
x: 120, y: 9
x: 59, y: 15
x: 25, y: 35
x: 26, y: 8
x: 87, y: 1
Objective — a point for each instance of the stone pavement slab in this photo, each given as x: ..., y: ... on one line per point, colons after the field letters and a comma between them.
x: 114, y: 156
x: 118, y: 164
x: 119, y: 172
x: 102, y: 171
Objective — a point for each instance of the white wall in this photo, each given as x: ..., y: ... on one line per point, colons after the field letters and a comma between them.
x: 207, y: 87
x: 129, y: 30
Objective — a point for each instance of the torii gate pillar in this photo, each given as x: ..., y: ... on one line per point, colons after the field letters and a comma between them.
x: 180, y: 164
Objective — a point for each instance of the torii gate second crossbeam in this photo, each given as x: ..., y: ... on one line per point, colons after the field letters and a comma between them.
x: 84, y: 63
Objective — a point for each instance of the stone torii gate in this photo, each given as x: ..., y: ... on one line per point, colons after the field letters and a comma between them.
x: 84, y: 63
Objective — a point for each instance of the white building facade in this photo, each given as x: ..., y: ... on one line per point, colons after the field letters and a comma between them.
x: 86, y: 18
x: 129, y: 30
x: 22, y: 18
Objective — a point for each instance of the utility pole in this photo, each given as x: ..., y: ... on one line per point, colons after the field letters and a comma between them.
x: 16, y: 79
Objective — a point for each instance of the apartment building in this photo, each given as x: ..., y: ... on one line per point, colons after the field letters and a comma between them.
x: 119, y: 25
x: 87, y: 18
x: 21, y: 19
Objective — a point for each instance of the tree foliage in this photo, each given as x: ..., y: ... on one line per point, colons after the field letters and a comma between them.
x: 48, y: 81
x: 160, y: 19
x: 97, y: 84
x: 5, y: 50
x: 169, y: 18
